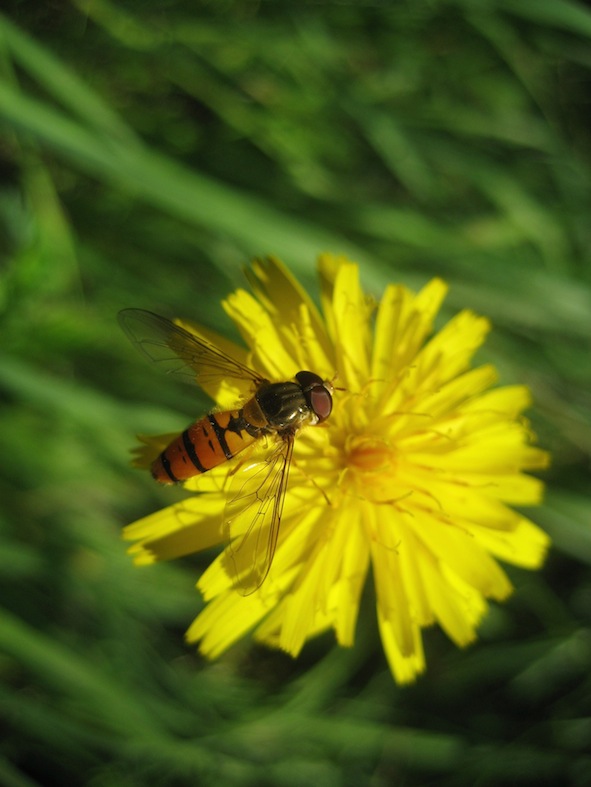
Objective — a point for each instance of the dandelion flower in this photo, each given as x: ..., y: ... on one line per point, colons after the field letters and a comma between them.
x: 414, y: 473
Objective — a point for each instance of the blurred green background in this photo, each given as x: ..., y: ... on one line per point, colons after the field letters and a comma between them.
x: 148, y: 150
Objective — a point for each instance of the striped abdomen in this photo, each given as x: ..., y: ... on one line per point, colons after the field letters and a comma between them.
x: 280, y: 408
x: 213, y: 439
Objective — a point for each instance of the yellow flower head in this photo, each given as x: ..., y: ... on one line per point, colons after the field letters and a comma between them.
x: 414, y: 472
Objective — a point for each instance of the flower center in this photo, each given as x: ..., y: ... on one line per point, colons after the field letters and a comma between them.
x: 372, y: 466
x: 370, y: 455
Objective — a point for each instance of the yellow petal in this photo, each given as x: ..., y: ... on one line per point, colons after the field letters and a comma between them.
x: 351, y: 325
x: 346, y: 591
x: 457, y: 608
x: 463, y: 554
x: 449, y: 352
x: 404, y: 667
x: 392, y: 598
x: 438, y: 397
x: 506, y: 402
x: 285, y: 299
x: 190, y: 526
x: 328, y: 268
x: 403, y: 322
x: 224, y: 621
x: 526, y: 545
x: 333, y: 572
x: 272, y: 343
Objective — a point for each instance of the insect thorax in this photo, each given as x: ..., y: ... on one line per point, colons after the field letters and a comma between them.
x: 283, y: 405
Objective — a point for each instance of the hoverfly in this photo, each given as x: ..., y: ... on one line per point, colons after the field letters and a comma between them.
x: 274, y: 410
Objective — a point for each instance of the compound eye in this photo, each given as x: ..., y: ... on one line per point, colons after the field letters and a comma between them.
x: 317, y: 393
x: 320, y: 402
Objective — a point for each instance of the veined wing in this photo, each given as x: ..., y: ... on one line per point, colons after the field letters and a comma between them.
x: 253, y: 515
x: 181, y: 352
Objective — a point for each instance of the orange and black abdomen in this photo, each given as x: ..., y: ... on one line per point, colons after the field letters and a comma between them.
x: 209, y: 442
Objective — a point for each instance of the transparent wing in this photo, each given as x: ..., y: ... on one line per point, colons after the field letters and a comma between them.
x: 181, y: 352
x: 253, y: 515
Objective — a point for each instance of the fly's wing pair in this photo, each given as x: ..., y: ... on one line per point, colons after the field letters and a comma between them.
x: 181, y: 352
x: 253, y: 514
x: 253, y: 511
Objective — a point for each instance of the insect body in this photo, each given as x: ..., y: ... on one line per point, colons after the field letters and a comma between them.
x: 280, y: 408
x: 275, y: 410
